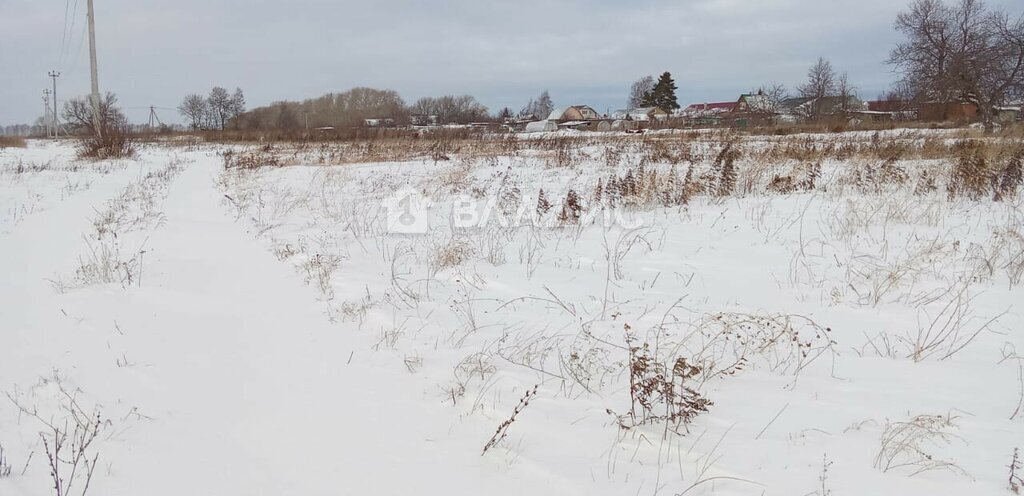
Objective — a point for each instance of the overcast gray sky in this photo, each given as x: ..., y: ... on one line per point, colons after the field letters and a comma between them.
x: 503, y: 52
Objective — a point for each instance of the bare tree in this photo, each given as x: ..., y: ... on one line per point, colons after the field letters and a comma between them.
x: 639, y: 92
x: 194, y: 108
x: 900, y: 93
x: 237, y: 104
x: 846, y: 92
x: 529, y: 110
x: 77, y: 114
x: 346, y: 109
x: 925, y: 57
x: 964, y: 53
x: 821, y: 83
x: 219, y: 103
x: 451, y: 109
x: 770, y: 98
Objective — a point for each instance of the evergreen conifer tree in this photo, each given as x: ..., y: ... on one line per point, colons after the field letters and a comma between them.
x: 664, y: 94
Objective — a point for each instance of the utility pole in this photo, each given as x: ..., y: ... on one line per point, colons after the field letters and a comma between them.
x: 95, y: 72
x: 46, y: 112
x: 153, y: 117
x: 54, y: 75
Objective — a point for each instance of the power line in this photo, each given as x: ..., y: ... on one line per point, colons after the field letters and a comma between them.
x: 71, y: 39
x: 78, y: 51
x: 64, y: 34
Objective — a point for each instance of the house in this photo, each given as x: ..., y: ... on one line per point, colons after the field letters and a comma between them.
x: 524, y: 117
x: 796, y: 106
x: 573, y: 113
x: 756, y: 103
x: 706, y: 114
x: 708, y: 109
x: 753, y: 109
x: 643, y: 114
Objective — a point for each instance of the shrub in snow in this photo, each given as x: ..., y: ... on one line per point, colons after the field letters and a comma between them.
x: 659, y: 392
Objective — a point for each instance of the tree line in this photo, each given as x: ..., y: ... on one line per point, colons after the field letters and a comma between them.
x: 214, y: 111
x: 353, y: 107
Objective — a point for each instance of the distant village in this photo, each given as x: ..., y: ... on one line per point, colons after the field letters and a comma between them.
x: 749, y: 109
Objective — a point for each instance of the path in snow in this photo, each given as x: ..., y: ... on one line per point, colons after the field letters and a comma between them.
x: 244, y: 381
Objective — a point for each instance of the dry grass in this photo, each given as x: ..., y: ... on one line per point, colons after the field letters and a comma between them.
x: 660, y: 392
x: 319, y: 269
x: 502, y: 429
x: 115, y: 142
x: 452, y: 253
x: 70, y: 437
x: 881, y: 185
x: 907, y: 444
x: 136, y: 208
x: 12, y: 142
x: 1015, y: 480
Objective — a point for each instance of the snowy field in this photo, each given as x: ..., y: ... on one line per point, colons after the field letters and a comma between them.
x: 675, y: 314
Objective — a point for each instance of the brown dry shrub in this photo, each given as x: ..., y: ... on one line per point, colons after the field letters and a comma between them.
x: 782, y: 184
x: 660, y: 392
x: 972, y: 174
x: 12, y: 142
x: 543, y: 204
x: 669, y: 151
x: 726, y: 168
x: 113, y: 142
x: 565, y: 152
x: 572, y: 208
x: 264, y: 156
x: 1009, y: 180
x: 453, y: 253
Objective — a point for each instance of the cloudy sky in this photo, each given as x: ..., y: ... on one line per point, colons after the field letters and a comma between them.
x: 154, y: 52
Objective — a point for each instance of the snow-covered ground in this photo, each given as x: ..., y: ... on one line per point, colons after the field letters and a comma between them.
x: 823, y: 319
